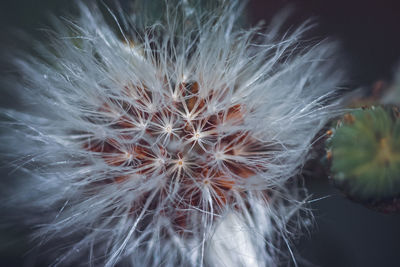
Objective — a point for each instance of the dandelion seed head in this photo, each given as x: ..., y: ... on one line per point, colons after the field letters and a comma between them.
x: 150, y: 145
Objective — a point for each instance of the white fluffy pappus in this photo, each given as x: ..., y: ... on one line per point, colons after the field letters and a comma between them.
x: 171, y: 144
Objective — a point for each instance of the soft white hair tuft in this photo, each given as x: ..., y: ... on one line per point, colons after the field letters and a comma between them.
x: 170, y: 140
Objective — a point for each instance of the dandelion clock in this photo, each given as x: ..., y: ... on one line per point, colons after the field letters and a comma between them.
x: 170, y: 136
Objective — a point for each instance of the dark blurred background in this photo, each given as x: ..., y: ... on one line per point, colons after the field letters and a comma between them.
x: 346, y: 234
